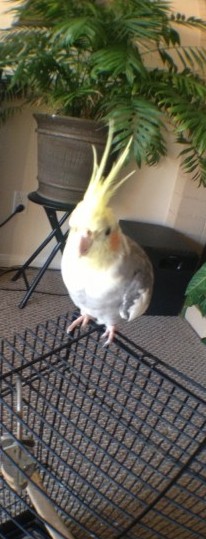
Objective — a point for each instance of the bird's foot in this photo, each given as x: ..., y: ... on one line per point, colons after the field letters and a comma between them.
x: 110, y: 332
x: 82, y: 321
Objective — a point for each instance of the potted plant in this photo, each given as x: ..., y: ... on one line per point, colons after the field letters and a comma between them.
x: 94, y: 60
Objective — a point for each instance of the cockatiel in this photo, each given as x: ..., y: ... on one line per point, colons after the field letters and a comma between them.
x: 107, y: 274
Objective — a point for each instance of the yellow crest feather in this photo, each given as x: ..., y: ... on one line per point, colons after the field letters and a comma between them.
x: 100, y: 189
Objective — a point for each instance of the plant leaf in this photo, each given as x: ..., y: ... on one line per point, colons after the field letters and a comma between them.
x: 197, y: 285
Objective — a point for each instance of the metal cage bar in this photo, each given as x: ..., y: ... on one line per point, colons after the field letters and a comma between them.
x: 119, y: 437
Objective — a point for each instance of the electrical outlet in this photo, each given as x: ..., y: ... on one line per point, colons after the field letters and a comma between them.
x: 19, y: 197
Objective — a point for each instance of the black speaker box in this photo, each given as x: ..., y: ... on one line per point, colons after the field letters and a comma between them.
x: 174, y: 263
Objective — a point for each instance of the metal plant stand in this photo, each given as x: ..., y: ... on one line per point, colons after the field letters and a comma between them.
x: 117, y: 437
x: 51, y: 208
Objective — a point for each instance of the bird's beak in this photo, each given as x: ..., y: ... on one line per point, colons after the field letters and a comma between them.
x: 85, y: 243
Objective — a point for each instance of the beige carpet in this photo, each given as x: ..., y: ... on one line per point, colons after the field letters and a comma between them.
x: 169, y: 338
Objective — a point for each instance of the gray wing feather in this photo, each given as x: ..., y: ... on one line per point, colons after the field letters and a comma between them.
x: 138, y: 282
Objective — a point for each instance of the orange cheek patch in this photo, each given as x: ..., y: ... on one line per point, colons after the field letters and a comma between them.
x: 114, y: 241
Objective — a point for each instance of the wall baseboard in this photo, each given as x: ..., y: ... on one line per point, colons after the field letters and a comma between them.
x: 9, y: 261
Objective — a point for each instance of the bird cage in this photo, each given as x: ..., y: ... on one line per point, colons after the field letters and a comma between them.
x: 111, y: 441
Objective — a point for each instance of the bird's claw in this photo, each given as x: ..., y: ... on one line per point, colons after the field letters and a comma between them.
x: 82, y: 321
x: 110, y: 332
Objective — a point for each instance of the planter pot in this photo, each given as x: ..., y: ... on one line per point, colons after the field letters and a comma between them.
x: 196, y: 320
x: 65, y: 157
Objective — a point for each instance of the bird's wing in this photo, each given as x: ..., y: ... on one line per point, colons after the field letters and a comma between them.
x: 138, y: 283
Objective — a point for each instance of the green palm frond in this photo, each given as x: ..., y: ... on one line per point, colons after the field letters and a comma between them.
x: 118, y: 61
x: 192, y: 57
x: 193, y: 22
x: 115, y: 59
x: 181, y: 97
x: 85, y: 30
x: 139, y: 118
x: 194, y: 164
x: 49, y: 12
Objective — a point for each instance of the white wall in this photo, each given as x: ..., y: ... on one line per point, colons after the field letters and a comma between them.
x: 6, y: 13
x: 159, y: 194
x: 18, y: 165
x: 147, y: 195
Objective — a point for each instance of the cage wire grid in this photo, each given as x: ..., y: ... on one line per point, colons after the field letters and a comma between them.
x: 119, y: 437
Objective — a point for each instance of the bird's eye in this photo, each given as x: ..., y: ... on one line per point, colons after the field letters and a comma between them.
x: 107, y: 231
